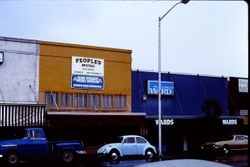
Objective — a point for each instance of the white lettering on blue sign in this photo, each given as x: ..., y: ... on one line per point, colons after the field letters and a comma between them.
x: 165, y: 122
x: 229, y: 121
x: 167, y: 88
x: 87, y: 82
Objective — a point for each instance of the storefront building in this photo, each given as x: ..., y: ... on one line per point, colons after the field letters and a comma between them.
x: 91, y: 93
x: 19, y: 71
x: 194, y: 108
x: 84, y: 78
x: 19, y: 105
x: 67, y: 77
x: 85, y: 87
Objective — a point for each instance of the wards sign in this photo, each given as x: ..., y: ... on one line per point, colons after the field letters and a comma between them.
x: 167, y: 88
x: 87, y: 73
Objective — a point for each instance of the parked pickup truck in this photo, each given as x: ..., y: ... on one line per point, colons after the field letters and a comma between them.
x: 33, y: 144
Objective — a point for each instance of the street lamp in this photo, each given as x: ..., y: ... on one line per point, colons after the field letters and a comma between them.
x: 159, y: 74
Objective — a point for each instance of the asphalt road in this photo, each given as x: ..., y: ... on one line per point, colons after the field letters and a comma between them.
x: 239, y: 159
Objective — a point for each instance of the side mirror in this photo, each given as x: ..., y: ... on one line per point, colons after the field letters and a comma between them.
x: 185, y: 1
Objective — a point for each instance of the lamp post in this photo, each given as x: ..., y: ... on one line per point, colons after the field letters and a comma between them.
x: 159, y: 74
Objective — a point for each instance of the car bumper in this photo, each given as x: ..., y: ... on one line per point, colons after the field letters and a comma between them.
x: 80, y: 152
x: 208, y: 148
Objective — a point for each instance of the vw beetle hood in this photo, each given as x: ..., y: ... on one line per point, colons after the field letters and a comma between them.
x: 102, y: 149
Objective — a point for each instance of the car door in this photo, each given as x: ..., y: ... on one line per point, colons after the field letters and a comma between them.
x: 241, y: 142
x: 140, y: 143
x: 38, y: 145
x: 129, y: 146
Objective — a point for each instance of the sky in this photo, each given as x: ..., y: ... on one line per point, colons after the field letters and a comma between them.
x: 200, y: 37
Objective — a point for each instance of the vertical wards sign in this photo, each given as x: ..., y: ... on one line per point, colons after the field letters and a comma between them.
x: 87, y: 73
x: 243, y: 85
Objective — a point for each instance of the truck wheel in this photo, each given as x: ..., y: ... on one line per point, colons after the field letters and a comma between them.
x: 13, y: 158
x: 67, y: 156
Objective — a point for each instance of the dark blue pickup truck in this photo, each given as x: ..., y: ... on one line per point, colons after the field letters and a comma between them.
x: 33, y: 144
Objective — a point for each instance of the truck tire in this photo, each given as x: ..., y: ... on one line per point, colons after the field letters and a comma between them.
x: 67, y: 156
x: 13, y: 158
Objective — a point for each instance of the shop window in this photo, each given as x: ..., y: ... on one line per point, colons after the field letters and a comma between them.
x: 66, y: 100
x: 51, y: 99
x: 120, y: 101
x: 94, y: 101
x: 80, y: 100
x: 107, y: 101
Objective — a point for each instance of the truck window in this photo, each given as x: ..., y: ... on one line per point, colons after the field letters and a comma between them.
x: 36, y: 134
x: 27, y: 134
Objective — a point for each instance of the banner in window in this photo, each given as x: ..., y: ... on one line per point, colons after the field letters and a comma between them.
x: 87, y: 73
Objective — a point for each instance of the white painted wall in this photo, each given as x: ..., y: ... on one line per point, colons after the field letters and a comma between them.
x: 19, y: 71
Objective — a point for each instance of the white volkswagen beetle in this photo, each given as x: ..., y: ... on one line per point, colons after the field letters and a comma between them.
x: 127, y: 145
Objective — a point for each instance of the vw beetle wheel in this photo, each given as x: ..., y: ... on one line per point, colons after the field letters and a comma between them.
x: 114, y: 155
x: 149, y: 154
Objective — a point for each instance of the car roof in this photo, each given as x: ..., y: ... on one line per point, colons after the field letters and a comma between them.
x: 240, y: 135
x: 131, y: 136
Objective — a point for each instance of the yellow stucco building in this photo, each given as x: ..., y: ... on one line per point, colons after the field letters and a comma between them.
x: 75, y: 77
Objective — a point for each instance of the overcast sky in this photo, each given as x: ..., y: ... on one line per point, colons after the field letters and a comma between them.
x: 201, y: 37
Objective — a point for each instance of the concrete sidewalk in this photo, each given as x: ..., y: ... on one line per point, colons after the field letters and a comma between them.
x: 184, y: 163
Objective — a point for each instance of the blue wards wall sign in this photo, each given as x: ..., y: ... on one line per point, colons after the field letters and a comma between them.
x: 167, y: 88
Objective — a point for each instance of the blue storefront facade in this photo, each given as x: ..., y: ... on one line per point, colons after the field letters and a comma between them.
x: 194, y: 108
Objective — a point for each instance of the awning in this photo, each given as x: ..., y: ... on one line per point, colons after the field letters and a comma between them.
x: 82, y: 119
x: 20, y: 115
x: 187, y: 120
